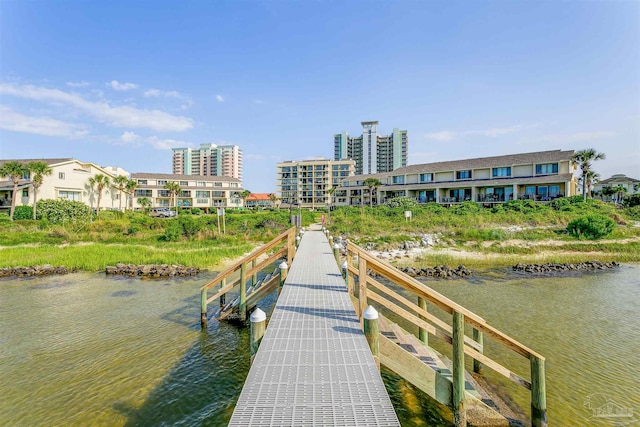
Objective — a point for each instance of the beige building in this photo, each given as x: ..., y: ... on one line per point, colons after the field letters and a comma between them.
x: 69, y: 180
x: 204, y: 192
x: 540, y: 176
x: 309, y: 183
x: 208, y: 160
x: 632, y: 185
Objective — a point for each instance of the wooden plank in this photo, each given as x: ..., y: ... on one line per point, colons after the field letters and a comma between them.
x: 362, y: 286
x: 264, y: 290
x: 223, y: 290
x: 267, y: 262
x: 390, y: 272
x: 490, y: 363
x: 255, y: 254
x: 424, y: 313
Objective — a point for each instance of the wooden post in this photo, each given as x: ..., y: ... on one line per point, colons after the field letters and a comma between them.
x: 349, y: 279
x: 362, y: 285
x: 284, y: 268
x: 203, y: 309
x: 254, y: 278
x: 477, y: 337
x: 242, y: 308
x: 538, y: 393
x: 345, y: 276
x: 423, y: 335
x: 297, y: 241
x: 371, y: 331
x: 330, y: 240
x: 223, y: 297
x: 291, y: 246
x: 459, y: 412
x: 336, y: 252
x: 258, y: 325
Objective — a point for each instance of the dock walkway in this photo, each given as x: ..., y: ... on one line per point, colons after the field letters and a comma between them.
x: 314, y: 366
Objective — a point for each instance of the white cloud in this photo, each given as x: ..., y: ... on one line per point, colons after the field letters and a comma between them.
x: 120, y: 116
x: 77, y: 84
x: 219, y: 98
x: 129, y: 137
x: 258, y: 101
x: 116, y: 85
x: 157, y: 93
x: 16, y: 122
x: 448, y: 135
x: 572, y: 138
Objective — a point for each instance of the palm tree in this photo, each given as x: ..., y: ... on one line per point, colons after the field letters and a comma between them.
x: 121, y: 182
x: 15, y: 171
x: 619, y: 191
x: 372, y: 183
x: 593, y: 178
x: 273, y: 199
x: 131, y: 186
x: 100, y: 182
x: 584, y: 159
x: 174, y: 190
x: 243, y: 195
x: 38, y: 171
x: 145, y: 202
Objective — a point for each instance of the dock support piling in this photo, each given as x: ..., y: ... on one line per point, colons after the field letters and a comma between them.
x: 479, y: 338
x: 284, y: 268
x: 459, y: 412
x: 423, y: 335
x: 336, y: 252
x: 538, y: 393
x: 258, y: 325
x: 223, y: 297
x: 242, y: 308
x: 371, y: 331
x: 203, y: 309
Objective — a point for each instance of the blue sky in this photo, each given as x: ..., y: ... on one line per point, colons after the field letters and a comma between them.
x: 119, y: 83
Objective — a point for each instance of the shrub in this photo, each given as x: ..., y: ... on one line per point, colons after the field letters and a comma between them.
x: 196, y: 211
x: 173, y: 233
x: 466, y: 208
x: 4, y: 217
x: 631, y: 200
x: 405, y: 203
x: 591, y: 226
x: 64, y: 211
x: 524, y: 206
x: 23, y: 212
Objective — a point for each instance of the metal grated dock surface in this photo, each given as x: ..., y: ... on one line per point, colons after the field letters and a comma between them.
x: 314, y: 366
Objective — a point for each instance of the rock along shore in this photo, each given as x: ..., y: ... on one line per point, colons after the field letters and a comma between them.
x: 152, y: 270
x: 559, y: 268
x: 35, y: 270
x: 438, y: 272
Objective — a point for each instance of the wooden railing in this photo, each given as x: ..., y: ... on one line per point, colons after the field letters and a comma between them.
x: 248, y: 269
x: 428, y: 323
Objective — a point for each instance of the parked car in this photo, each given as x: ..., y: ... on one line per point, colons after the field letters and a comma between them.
x: 161, y: 213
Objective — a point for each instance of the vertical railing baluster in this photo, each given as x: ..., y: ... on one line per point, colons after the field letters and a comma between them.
x: 423, y: 335
x: 242, y: 308
x: 203, y: 308
x: 479, y: 338
x: 362, y: 284
x: 459, y: 412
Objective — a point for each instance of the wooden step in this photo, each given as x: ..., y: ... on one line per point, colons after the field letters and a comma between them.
x: 423, y: 367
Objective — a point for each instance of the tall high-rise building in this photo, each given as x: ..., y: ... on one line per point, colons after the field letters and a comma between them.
x: 373, y: 153
x: 208, y: 160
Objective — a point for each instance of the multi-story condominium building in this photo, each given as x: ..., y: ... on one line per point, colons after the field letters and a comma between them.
x: 631, y: 186
x: 540, y: 176
x: 208, y: 160
x: 204, y: 192
x: 373, y: 153
x: 310, y: 183
x: 69, y: 180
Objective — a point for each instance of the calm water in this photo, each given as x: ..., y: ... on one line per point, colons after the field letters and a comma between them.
x: 84, y: 349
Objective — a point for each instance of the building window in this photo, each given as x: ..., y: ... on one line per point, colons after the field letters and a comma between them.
x: 463, y: 174
x: 142, y: 182
x: 398, y: 179
x: 162, y: 182
x: 143, y: 193
x: 69, y: 195
x: 60, y: 175
x: 184, y: 183
x: 25, y: 192
x: 202, y: 194
x: 426, y: 177
x: 497, y: 172
x: 217, y: 184
x: 546, y: 168
x: 201, y: 184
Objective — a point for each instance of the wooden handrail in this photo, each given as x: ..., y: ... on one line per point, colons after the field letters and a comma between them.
x: 250, y: 257
x: 249, y: 268
x: 390, y: 272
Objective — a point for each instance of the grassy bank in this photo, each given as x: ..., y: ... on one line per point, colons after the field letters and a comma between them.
x: 466, y: 234
x: 134, y: 238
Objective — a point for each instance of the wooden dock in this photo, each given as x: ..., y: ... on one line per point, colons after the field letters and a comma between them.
x: 314, y: 365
